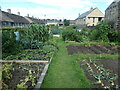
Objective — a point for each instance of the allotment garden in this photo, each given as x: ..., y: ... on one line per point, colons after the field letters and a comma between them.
x: 32, y: 58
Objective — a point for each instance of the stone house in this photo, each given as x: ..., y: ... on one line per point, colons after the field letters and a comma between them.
x: 9, y: 19
x: 90, y: 18
x: 112, y: 14
x: 54, y: 22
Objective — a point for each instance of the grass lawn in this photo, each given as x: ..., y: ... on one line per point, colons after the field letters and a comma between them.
x: 65, y: 71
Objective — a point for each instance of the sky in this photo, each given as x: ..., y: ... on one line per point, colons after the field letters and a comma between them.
x: 53, y: 9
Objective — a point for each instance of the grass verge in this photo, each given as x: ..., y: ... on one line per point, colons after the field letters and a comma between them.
x: 65, y: 71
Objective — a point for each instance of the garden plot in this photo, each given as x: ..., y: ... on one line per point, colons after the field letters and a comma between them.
x: 31, y: 54
x: 21, y: 75
x: 93, y: 49
x: 101, y: 73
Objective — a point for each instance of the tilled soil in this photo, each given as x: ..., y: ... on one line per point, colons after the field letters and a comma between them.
x: 108, y: 64
x: 93, y: 49
x: 20, y: 71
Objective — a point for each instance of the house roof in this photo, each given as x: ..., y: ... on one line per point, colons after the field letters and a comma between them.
x: 13, y: 18
x: 35, y: 20
x: 115, y: 2
x: 86, y: 13
x: 4, y: 17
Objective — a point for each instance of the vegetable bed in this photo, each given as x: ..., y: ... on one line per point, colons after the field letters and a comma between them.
x: 31, y: 54
x: 21, y: 75
x: 101, y: 73
x: 93, y: 49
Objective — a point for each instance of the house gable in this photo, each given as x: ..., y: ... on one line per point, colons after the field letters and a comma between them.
x: 96, y: 13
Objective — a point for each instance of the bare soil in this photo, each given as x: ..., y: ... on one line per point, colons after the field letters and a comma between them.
x: 93, y: 49
x: 108, y: 64
x: 19, y: 72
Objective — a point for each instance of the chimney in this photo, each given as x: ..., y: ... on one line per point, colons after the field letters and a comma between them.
x: 79, y: 14
x: 91, y: 8
x: 19, y: 13
x: 0, y: 8
x: 9, y: 11
x: 27, y: 15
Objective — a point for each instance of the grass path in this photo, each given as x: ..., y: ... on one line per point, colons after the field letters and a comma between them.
x: 64, y: 72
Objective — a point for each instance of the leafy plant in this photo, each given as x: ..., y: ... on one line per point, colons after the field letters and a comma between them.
x: 22, y: 85
x: 9, y: 44
x: 103, y: 32
x: 6, y: 74
x: 35, y: 35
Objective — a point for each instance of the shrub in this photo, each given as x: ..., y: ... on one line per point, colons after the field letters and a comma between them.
x: 71, y: 35
x: 49, y: 48
x: 9, y: 44
x: 103, y: 32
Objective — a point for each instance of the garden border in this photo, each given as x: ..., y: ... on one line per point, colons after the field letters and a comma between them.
x: 25, y: 61
x: 42, y: 76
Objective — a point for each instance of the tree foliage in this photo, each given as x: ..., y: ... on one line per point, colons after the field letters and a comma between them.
x: 103, y: 32
x: 66, y: 22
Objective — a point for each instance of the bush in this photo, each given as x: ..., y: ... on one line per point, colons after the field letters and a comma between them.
x: 103, y: 32
x: 9, y: 44
x: 49, y: 48
x: 71, y: 35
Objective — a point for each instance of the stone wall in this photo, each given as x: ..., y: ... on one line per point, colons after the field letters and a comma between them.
x: 112, y: 15
x: 118, y: 26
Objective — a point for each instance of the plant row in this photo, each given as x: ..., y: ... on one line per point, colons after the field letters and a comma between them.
x: 33, y: 37
x: 103, y: 77
x: 17, y: 75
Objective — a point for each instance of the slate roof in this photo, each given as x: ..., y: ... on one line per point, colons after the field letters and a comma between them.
x: 85, y: 14
x: 115, y: 2
x: 35, y: 20
x: 13, y: 18
x: 4, y: 17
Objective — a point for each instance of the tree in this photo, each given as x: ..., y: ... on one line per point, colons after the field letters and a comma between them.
x: 66, y: 22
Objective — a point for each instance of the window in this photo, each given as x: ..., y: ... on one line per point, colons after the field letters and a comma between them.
x: 83, y: 19
x: 93, y: 19
x: 99, y: 19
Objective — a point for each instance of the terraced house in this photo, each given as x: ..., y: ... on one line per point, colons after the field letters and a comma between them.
x: 8, y: 19
x: 112, y: 14
x: 90, y: 18
x: 34, y: 20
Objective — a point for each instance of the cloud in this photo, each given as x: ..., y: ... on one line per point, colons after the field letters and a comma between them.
x: 63, y: 3
x: 55, y: 8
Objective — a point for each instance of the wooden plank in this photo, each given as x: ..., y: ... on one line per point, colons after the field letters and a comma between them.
x: 24, y: 61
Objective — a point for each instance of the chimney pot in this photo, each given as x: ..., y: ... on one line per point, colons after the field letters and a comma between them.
x: 9, y: 11
x: 27, y: 15
x: 91, y: 8
x: 19, y: 13
x: 79, y: 14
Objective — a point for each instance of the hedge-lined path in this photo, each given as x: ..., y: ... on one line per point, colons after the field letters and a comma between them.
x: 64, y: 71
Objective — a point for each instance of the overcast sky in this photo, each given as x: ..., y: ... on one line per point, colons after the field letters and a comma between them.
x: 58, y: 9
